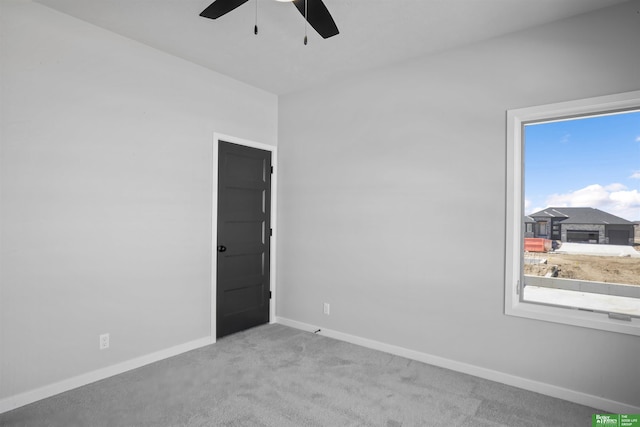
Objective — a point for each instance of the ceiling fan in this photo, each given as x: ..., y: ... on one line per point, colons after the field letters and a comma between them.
x: 314, y: 11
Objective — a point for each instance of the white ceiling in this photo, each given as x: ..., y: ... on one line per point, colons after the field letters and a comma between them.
x: 373, y: 33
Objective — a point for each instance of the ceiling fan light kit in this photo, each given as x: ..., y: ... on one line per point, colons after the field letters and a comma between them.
x: 314, y: 12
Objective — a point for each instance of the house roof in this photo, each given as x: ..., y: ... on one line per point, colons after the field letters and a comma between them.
x: 581, y: 216
x: 528, y: 219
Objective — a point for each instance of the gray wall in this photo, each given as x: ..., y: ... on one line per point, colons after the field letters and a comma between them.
x: 380, y: 173
x: 106, y: 194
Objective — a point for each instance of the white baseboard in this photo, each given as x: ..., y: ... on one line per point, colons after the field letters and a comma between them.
x: 489, y: 374
x: 16, y: 401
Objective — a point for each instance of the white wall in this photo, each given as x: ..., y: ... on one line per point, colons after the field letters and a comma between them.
x: 106, y: 194
x: 392, y: 203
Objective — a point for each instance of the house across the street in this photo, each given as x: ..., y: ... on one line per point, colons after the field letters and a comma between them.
x: 580, y: 225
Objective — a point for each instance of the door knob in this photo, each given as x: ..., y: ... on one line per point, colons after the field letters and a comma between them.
x: 222, y: 248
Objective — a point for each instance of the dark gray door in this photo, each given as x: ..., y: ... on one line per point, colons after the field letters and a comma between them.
x: 244, y: 219
x: 618, y: 237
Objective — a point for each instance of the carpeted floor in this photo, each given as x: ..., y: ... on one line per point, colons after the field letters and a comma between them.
x: 277, y: 376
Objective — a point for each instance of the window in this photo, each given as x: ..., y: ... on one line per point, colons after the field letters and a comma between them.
x: 543, y: 186
x: 542, y: 229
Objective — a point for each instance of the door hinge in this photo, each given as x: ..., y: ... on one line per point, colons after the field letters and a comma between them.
x: 271, y: 169
x: 269, y: 294
x: 271, y: 232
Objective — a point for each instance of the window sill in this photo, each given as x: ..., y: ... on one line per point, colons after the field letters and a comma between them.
x: 572, y: 316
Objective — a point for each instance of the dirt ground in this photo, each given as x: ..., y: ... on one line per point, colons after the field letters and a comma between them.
x: 588, y: 267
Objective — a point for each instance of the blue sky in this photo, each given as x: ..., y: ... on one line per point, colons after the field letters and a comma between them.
x: 589, y: 162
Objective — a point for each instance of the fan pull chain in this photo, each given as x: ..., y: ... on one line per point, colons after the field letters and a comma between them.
x: 255, y: 27
x: 305, y: 22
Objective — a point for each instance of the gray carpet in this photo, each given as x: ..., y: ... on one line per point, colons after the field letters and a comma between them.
x: 278, y: 376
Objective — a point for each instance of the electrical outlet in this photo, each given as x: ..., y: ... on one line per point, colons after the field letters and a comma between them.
x: 327, y: 308
x: 104, y: 341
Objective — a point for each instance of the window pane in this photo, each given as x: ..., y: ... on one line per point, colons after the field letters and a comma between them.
x: 582, y: 193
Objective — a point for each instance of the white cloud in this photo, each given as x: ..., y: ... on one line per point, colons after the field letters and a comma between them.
x: 589, y: 196
x: 635, y: 175
x: 616, y: 186
x: 613, y: 198
x: 626, y: 198
x: 638, y: 138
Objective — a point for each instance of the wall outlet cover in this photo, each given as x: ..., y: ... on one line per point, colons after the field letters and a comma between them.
x: 104, y: 341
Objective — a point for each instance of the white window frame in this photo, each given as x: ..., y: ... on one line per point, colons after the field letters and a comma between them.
x: 514, y: 254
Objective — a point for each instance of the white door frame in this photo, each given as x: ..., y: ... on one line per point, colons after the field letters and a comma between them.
x: 217, y: 137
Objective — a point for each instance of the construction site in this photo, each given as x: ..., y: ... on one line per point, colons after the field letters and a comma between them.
x: 583, y: 261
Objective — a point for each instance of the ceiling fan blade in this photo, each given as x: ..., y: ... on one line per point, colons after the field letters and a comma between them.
x: 318, y: 17
x: 221, y: 7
